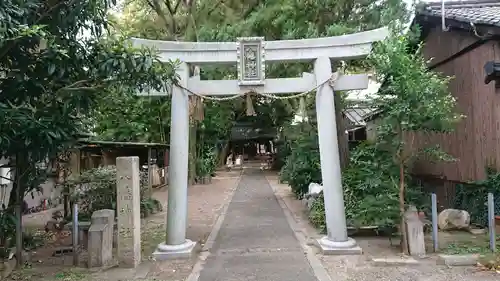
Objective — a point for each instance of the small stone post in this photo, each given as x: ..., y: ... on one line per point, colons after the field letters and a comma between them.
x: 100, y: 249
x: 129, y: 212
x: 415, y: 231
x: 336, y: 242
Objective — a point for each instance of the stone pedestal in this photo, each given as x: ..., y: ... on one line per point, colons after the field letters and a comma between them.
x: 181, y: 251
x: 100, y: 238
x: 100, y: 246
x: 329, y: 247
x: 129, y: 211
x: 336, y: 242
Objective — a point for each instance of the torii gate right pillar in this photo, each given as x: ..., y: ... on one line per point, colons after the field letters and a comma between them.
x: 336, y: 242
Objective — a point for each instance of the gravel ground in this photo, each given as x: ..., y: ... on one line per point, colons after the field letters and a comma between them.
x: 205, y: 203
x: 361, y: 268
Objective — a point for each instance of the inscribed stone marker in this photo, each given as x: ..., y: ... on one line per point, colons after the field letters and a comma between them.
x: 128, y: 205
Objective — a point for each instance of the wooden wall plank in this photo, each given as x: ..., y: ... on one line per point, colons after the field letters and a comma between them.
x: 475, y: 141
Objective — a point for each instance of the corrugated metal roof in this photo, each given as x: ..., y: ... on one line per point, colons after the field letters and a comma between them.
x: 470, y: 11
x: 357, y: 115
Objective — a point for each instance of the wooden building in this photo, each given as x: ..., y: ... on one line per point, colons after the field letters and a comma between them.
x: 461, y: 46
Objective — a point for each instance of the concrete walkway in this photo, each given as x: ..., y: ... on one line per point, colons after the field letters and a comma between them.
x: 255, y: 241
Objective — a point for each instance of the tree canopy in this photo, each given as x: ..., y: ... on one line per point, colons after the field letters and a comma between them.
x: 56, y: 60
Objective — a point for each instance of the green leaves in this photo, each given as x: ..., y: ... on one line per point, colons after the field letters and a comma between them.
x: 51, y: 77
x: 131, y: 118
x: 302, y: 165
x: 412, y: 99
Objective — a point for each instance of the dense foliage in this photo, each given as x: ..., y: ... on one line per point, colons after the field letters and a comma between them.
x: 55, y: 60
x: 473, y: 197
x: 371, y: 191
x: 131, y: 118
x: 376, y: 185
x: 51, y: 76
x: 302, y: 165
x: 95, y: 189
x: 224, y: 21
x: 413, y: 100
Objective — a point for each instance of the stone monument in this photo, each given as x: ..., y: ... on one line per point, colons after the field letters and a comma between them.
x: 129, y: 212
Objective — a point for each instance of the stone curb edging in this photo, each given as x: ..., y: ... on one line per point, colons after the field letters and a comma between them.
x: 205, y: 251
x: 316, y: 265
x: 409, y: 261
x: 442, y: 259
x: 458, y: 260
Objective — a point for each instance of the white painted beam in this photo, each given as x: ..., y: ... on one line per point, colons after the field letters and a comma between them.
x: 344, y: 47
x: 272, y: 86
x: 351, y: 82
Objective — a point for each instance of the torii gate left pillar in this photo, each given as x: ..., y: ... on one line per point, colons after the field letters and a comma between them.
x: 250, y: 54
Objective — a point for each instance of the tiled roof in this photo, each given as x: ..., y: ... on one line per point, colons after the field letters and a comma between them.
x: 469, y: 11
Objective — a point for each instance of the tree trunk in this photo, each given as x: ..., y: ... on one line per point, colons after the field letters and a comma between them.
x: 223, y: 154
x: 192, y: 150
x: 404, y: 238
x: 16, y: 204
x: 341, y: 135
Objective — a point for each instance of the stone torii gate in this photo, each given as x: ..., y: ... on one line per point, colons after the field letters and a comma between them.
x: 250, y: 55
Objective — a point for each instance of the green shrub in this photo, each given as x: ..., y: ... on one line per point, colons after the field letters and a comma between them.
x: 473, y: 197
x: 371, y: 191
x: 95, y: 189
x: 302, y: 166
x: 7, y: 233
x: 206, y: 164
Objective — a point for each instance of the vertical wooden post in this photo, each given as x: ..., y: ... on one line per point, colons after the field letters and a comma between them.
x: 150, y: 181
x: 75, y: 234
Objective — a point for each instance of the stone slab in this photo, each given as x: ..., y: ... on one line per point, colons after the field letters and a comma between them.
x: 478, y: 231
x: 8, y: 267
x: 327, y: 251
x: 457, y: 260
x: 396, y: 261
x: 104, y: 216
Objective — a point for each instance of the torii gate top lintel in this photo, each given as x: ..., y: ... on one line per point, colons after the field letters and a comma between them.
x: 250, y: 54
x: 349, y: 46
